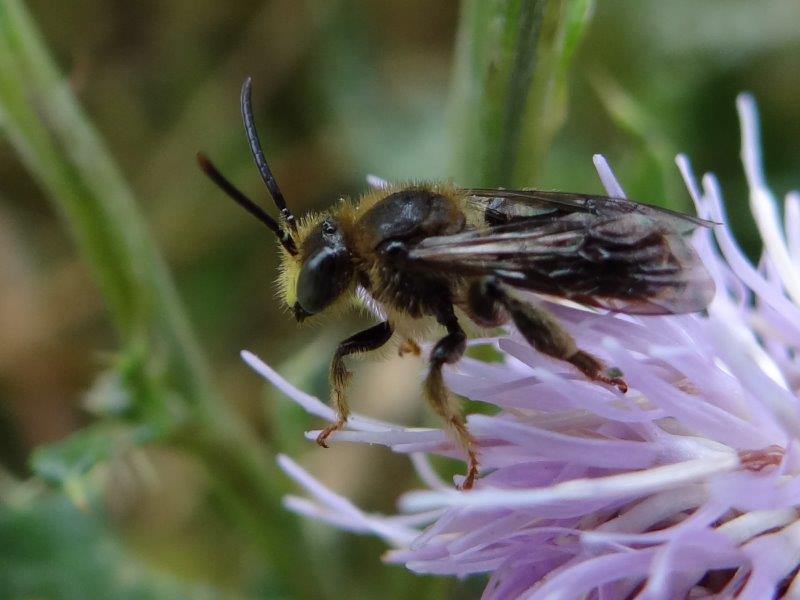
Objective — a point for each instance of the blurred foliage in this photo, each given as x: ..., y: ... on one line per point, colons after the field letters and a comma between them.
x: 59, y: 552
x: 160, y: 473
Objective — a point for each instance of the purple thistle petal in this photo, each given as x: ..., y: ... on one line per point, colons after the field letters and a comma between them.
x: 613, y: 188
x: 340, y: 509
x: 630, y: 485
x: 620, y: 454
x: 681, y: 563
x: 736, y: 259
x: 792, y: 225
x: 773, y: 557
x: 762, y: 202
x: 573, y: 581
x: 426, y: 473
x: 588, y: 492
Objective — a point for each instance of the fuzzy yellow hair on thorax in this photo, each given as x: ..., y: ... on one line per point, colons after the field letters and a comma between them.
x: 346, y: 213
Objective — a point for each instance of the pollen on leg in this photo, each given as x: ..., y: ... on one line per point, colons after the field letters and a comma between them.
x: 408, y: 346
x: 756, y: 460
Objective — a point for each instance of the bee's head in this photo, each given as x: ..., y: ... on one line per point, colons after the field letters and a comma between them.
x: 317, y: 267
x: 321, y: 271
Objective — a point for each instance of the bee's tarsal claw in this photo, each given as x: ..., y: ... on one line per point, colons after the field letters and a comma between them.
x: 322, y: 438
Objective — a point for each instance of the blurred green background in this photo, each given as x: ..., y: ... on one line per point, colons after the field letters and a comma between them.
x: 159, y: 494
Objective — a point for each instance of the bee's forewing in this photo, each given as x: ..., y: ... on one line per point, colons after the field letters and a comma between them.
x: 531, y: 203
x: 601, y: 252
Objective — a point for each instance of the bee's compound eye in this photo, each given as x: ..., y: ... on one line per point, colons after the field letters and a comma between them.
x: 323, y: 278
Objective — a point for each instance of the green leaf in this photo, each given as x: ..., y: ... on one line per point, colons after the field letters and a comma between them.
x: 135, y: 410
x: 134, y: 390
x: 69, y: 464
x: 75, y: 456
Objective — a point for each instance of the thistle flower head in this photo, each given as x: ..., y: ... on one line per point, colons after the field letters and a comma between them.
x: 685, y: 486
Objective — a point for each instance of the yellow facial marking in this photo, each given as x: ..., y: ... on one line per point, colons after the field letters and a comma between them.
x: 290, y: 266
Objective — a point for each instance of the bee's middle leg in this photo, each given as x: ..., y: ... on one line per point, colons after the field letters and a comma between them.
x: 364, y: 341
x: 449, y: 350
x: 539, y: 328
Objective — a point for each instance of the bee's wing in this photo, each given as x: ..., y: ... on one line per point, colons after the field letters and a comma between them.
x: 501, y: 206
x: 598, y: 251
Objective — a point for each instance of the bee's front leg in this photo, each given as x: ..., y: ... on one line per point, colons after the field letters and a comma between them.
x: 449, y: 350
x: 364, y: 341
x: 539, y: 328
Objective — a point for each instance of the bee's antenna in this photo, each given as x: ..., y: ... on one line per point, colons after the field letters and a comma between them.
x: 245, y: 202
x: 258, y: 156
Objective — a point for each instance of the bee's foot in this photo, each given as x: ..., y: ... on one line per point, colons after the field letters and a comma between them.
x: 617, y: 382
x: 322, y: 438
x: 472, y: 473
x: 593, y: 369
x: 409, y: 347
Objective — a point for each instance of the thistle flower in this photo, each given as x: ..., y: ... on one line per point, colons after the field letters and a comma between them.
x: 685, y: 486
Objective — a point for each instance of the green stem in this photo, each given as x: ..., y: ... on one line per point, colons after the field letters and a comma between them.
x: 57, y: 144
x: 509, y: 89
x: 67, y: 157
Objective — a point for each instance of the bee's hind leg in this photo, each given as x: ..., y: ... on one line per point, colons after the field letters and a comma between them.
x: 539, y: 328
x: 449, y: 350
x: 364, y: 341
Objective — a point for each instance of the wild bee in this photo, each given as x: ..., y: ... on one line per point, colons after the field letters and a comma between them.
x: 432, y: 256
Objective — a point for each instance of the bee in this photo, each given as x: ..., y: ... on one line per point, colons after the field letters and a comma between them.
x: 431, y: 257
